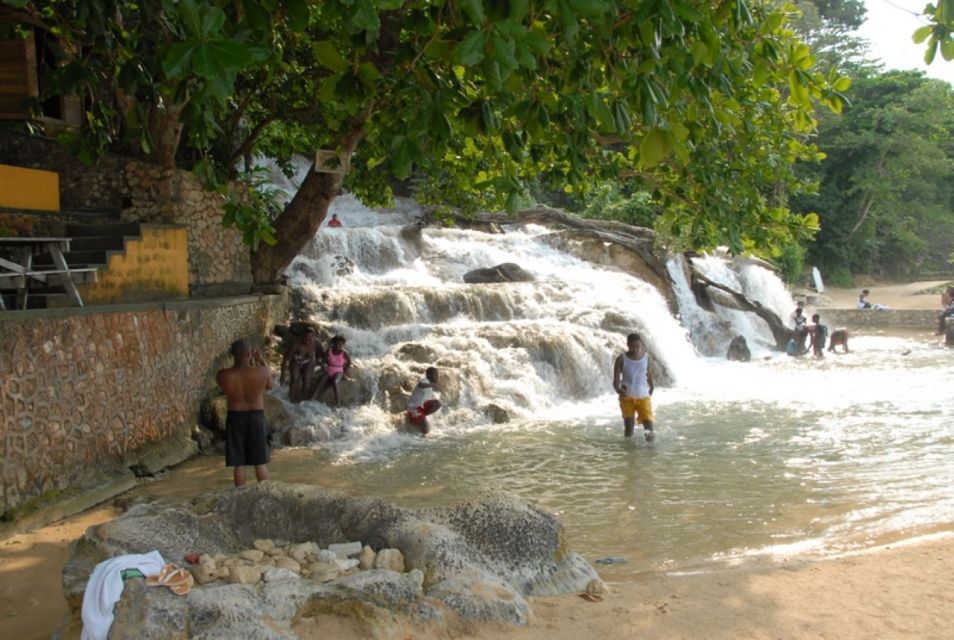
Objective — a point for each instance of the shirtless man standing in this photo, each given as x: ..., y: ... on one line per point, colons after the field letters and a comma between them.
x: 633, y: 381
x: 246, y: 435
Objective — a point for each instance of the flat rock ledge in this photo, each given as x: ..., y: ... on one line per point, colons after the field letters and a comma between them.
x: 449, y: 567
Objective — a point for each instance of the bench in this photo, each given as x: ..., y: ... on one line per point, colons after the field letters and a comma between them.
x: 25, y: 273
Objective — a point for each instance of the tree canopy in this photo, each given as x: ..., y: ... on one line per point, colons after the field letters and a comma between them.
x: 706, y: 106
x: 885, y: 196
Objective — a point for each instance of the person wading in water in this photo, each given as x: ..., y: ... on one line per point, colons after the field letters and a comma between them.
x: 633, y: 382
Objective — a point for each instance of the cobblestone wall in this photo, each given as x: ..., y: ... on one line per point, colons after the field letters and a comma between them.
x: 83, y: 389
x: 216, y: 255
x: 873, y: 318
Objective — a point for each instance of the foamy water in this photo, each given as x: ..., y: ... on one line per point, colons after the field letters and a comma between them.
x: 778, y: 456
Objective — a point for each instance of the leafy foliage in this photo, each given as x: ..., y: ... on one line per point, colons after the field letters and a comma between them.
x: 938, y: 36
x: 706, y: 107
x: 885, y: 199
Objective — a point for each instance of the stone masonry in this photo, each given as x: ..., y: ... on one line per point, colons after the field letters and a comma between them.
x: 86, y: 390
x: 219, y: 262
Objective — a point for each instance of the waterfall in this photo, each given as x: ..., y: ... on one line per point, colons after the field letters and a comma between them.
x: 510, y: 350
x: 712, y: 330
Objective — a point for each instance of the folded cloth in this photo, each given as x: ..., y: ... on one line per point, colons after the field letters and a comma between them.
x: 105, y: 587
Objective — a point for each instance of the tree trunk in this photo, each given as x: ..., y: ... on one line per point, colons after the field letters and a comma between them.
x: 165, y: 129
x: 300, y: 220
x: 296, y: 225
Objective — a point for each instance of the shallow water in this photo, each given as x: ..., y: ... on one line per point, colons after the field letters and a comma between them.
x: 773, y: 458
x: 781, y: 456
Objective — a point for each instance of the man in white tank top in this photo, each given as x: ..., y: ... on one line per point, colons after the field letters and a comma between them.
x: 633, y: 381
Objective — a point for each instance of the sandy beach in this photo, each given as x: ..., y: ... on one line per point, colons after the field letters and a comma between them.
x: 896, y: 591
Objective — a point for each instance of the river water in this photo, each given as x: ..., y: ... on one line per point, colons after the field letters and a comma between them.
x: 774, y: 458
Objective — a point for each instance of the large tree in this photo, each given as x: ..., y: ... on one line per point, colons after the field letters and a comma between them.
x: 707, y: 105
x: 885, y: 196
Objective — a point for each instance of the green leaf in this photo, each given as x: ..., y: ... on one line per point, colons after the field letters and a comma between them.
x: 842, y: 83
x: 213, y: 20
x: 687, y: 11
x: 327, y: 56
x: 538, y: 42
x: 190, y: 18
x: 518, y: 10
x: 593, y: 8
x: 178, y: 60
x: 474, y: 10
x: 365, y: 17
x: 403, y: 159
x: 653, y: 148
x: 931, y: 50
x: 298, y: 15
x: 922, y: 34
x: 502, y: 52
x: 601, y: 112
x: 368, y: 74
x: 947, y: 50
x: 257, y: 17
x: 470, y: 50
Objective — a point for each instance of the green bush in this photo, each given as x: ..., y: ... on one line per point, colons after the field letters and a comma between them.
x: 790, y: 263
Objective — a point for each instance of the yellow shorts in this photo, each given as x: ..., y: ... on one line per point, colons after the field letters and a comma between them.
x: 641, y: 407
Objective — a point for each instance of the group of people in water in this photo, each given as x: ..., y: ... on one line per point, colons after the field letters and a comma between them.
x: 815, y: 334
x: 310, y: 370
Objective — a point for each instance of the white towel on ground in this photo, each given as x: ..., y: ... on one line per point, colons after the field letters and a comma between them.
x: 105, y: 586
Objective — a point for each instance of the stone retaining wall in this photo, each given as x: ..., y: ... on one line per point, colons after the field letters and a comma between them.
x: 871, y: 318
x: 88, y: 393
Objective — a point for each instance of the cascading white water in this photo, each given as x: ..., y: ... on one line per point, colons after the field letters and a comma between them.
x: 776, y: 456
x: 531, y: 347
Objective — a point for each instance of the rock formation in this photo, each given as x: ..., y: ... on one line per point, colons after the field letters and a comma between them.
x: 475, y: 561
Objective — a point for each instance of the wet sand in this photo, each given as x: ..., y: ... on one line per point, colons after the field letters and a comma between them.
x: 897, y: 591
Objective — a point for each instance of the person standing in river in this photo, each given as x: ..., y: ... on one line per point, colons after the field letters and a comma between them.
x: 299, y: 362
x: 633, y: 382
x: 246, y: 434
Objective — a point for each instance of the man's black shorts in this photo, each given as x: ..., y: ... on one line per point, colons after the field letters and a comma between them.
x: 246, y: 439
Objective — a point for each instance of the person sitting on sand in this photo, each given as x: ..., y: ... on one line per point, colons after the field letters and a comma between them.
x: 838, y: 337
x: 863, y: 302
x: 299, y: 361
x: 423, y: 402
x: 337, y: 364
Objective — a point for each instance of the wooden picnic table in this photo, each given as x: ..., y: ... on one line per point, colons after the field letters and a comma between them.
x: 23, y: 271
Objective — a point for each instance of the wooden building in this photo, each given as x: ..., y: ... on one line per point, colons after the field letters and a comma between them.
x: 24, y: 63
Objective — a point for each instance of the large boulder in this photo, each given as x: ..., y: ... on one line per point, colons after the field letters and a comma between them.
x: 506, y: 272
x: 476, y: 561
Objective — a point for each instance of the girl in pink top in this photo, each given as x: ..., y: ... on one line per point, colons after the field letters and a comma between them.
x: 337, y: 363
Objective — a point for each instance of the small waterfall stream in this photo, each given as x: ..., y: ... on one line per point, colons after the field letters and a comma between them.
x: 775, y: 456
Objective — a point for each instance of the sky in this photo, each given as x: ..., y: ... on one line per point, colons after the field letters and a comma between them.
x: 888, y: 29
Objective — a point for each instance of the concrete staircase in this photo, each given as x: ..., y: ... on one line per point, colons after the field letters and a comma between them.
x: 91, y: 246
